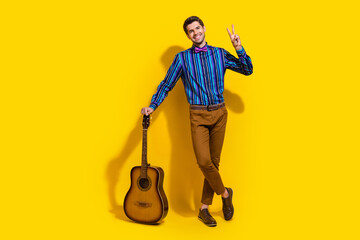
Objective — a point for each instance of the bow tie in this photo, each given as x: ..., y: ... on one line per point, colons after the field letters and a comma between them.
x: 203, y: 49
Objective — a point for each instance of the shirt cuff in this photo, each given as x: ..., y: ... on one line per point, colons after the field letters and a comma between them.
x: 153, y: 106
x: 241, y: 52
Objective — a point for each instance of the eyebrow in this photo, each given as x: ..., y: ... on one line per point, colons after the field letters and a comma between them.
x: 195, y: 28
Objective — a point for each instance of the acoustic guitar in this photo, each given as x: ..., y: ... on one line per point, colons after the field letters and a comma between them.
x: 146, y: 202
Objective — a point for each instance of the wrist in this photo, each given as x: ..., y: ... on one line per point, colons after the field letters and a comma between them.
x: 239, y: 48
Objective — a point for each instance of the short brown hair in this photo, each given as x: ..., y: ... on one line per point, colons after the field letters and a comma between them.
x: 190, y: 20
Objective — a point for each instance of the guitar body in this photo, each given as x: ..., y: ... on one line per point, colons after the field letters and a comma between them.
x: 146, y: 202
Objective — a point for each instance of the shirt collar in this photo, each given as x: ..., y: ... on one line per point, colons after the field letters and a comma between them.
x: 193, y: 46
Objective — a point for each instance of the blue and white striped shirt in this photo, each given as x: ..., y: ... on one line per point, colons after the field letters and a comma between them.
x: 202, y: 74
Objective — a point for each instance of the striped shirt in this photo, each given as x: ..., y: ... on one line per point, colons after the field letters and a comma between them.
x: 202, y: 74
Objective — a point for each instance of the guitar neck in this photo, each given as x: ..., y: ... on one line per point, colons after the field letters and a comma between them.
x: 144, y: 163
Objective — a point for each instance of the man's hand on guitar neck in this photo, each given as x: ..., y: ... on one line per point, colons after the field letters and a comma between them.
x: 147, y: 111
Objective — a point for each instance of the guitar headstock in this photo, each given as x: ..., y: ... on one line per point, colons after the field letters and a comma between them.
x: 146, y: 121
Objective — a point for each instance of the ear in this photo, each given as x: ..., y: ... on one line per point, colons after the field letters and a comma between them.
x: 204, y: 29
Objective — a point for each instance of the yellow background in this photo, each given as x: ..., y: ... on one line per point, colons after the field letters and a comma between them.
x: 75, y: 74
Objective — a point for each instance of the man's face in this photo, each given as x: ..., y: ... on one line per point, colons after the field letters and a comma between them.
x: 196, y: 33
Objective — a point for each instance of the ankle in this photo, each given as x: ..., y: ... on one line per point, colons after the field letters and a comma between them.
x: 225, y: 194
x: 204, y: 206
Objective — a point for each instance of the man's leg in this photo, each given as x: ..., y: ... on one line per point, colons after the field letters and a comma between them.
x: 217, y: 134
x: 208, y: 130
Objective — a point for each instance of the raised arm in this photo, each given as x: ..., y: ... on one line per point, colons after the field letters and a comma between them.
x: 243, y: 63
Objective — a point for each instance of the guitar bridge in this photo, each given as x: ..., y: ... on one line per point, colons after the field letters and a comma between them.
x: 143, y: 204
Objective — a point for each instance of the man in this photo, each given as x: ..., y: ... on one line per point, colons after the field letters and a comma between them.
x: 202, y: 68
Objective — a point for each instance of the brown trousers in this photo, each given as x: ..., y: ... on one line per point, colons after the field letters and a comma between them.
x: 208, y: 131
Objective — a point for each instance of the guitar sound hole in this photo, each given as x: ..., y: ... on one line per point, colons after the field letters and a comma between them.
x: 144, y: 184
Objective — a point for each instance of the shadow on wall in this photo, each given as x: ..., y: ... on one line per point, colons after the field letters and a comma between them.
x: 233, y: 102
x: 183, y: 180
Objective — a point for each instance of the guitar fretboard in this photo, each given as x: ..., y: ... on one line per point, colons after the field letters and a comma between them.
x: 144, y: 163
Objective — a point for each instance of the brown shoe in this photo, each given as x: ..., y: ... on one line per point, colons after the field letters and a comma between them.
x: 228, y: 208
x: 206, y: 218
